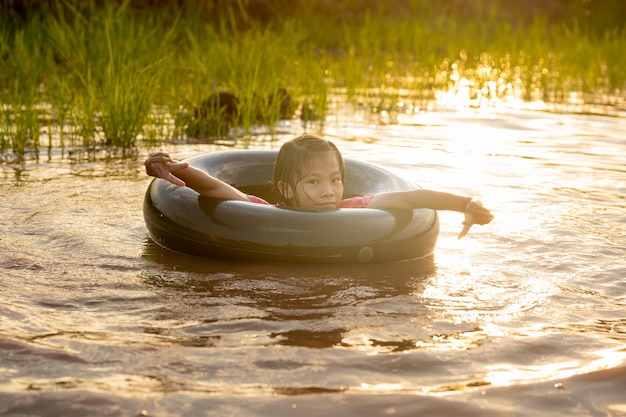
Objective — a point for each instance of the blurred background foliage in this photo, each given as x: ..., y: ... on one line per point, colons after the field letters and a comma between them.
x: 595, y: 16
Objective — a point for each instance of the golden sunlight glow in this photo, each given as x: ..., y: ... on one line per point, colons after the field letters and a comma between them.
x: 382, y: 387
x: 506, y: 375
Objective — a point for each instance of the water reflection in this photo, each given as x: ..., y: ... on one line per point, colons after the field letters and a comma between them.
x: 310, y: 306
x: 384, y: 274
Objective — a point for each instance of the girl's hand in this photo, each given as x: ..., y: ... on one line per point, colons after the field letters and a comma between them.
x: 160, y: 165
x: 475, y: 213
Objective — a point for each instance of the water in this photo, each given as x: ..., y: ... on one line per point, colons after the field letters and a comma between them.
x: 525, y: 316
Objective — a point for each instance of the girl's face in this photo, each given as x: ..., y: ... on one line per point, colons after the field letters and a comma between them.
x: 321, y: 186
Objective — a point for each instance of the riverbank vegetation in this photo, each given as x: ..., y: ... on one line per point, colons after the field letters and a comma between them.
x: 124, y: 74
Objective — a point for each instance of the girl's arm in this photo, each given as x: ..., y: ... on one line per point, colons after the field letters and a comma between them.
x: 160, y: 165
x: 474, y: 211
x: 435, y: 200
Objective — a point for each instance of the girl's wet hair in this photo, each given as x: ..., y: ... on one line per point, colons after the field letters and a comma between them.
x: 293, y: 163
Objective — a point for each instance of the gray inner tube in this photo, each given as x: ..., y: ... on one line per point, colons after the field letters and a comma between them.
x: 180, y: 219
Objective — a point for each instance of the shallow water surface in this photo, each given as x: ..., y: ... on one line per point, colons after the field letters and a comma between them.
x: 525, y: 316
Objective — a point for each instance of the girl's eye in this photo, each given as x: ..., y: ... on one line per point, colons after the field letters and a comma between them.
x: 313, y: 182
x: 337, y: 180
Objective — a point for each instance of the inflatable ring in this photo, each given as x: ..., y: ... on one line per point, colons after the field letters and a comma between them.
x: 179, y: 219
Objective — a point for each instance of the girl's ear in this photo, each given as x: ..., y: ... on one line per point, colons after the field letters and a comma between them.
x: 285, y: 190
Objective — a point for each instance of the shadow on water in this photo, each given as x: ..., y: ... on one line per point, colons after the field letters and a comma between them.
x: 395, y: 274
x: 311, y: 306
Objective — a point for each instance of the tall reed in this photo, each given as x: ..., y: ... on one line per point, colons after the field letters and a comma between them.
x: 20, y: 94
x: 253, y: 65
x: 116, y: 63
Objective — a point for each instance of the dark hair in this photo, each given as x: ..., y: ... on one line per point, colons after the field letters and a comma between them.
x: 293, y: 161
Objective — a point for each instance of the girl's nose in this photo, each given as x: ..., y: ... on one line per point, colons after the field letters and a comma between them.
x: 328, y: 190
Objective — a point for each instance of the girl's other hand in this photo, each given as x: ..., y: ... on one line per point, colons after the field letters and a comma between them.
x: 475, y: 213
x: 161, y: 165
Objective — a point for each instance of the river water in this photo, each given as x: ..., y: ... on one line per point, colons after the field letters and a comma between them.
x: 525, y: 316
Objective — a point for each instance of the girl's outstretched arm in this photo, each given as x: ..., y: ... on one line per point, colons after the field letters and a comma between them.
x: 474, y: 211
x: 161, y: 165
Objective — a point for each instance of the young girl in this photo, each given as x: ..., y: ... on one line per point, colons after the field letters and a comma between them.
x: 309, y: 174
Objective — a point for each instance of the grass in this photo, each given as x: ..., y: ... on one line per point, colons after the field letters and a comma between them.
x: 120, y: 77
x: 19, y: 124
x: 114, y: 63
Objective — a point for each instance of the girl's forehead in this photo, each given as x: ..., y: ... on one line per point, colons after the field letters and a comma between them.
x: 323, y: 162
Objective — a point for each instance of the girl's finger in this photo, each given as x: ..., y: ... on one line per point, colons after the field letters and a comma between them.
x: 465, y: 231
x: 175, y: 180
